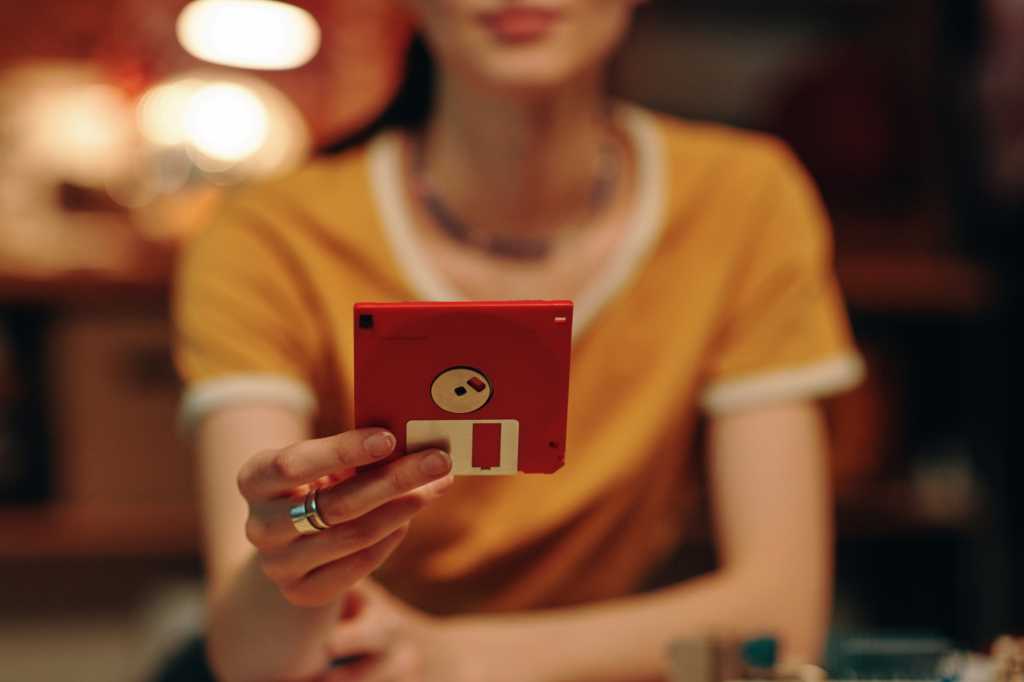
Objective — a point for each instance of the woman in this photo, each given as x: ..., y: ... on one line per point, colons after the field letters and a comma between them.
x: 699, y: 261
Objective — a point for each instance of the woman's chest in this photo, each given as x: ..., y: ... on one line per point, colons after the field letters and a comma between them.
x: 574, y: 264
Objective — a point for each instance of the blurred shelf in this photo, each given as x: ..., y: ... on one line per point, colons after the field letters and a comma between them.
x: 83, y: 288
x: 915, y: 283
x: 67, y: 530
x: 891, y: 509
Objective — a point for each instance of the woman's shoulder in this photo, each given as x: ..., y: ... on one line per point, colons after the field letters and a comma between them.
x: 714, y: 146
x: 697, y: 152
x: 704, y: 160
x: 729, y: 185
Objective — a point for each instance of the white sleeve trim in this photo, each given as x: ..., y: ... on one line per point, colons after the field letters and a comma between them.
x: 204, y: 397
x: 804, y: 382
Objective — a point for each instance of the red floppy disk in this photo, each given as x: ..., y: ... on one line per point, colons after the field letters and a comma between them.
x: 486, y: 381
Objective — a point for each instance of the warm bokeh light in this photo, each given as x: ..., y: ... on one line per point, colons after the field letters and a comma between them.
x: 162, y: 111
x: 226, y: 122
x: 249, y: 34
x: 80, y: 132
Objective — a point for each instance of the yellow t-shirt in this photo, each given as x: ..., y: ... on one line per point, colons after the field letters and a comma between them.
x: 721, y: 297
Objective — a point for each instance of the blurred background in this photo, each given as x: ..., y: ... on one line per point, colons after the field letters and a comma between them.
x: 123, y: 121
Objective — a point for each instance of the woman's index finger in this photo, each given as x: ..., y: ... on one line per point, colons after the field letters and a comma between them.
x: 279, y: 472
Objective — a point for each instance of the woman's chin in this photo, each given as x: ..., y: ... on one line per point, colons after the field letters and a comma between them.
x: 526, y: 74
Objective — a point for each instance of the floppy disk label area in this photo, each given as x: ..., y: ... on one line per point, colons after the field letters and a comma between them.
x: 485, y: 447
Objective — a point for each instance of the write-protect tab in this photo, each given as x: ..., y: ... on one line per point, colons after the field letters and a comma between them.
x: 486, y: 446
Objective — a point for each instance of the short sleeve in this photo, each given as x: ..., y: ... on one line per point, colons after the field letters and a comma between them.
x: 786, y: 334
x: 243, y: 322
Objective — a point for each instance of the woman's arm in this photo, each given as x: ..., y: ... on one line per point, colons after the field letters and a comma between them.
x: 246, y: 610
x: 773, y: 529
x: 773, y: 526
x: 274, y: 610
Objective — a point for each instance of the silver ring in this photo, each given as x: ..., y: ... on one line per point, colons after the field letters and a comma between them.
x: 305, y: 515
x: 313, y: 511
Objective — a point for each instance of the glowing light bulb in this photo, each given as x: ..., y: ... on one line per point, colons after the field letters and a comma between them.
x: 226, y: 122
x: 250, y: 34
x: 162, y: 111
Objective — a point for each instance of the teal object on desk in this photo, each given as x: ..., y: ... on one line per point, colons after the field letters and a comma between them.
x: 762, y: 652
x: 913, y: 656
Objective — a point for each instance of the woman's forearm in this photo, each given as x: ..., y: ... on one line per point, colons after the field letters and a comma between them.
x: 255, y: 635
x: 774, y: 536
x: 627, y: 640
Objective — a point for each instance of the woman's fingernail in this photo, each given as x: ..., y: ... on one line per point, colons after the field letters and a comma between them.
x: 436, y: 463
x: 380, y: 444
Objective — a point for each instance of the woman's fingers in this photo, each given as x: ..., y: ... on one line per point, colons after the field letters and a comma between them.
x: 367, y: 514
x: 270, y: 524
x: 360, y: 494
x: 275, y: 473
x: 292, y: 562
x: 330, y: 582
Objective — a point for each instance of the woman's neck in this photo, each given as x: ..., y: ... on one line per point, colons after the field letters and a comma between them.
x: 517, y: 165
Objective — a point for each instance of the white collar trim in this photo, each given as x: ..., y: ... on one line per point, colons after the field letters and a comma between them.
x: 646, y: 220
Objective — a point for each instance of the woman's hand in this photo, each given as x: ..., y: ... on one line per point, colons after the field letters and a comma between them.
x: 368, y: 513
x: 396, y: 643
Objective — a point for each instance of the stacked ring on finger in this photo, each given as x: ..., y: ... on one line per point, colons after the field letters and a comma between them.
x: 306, y: 516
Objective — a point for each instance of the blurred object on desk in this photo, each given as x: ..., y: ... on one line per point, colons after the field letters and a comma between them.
x: 886, y: 656
x: 892, y: 656
x: 1008, y: 655
x: 917, y: 656
x: 721, y: 659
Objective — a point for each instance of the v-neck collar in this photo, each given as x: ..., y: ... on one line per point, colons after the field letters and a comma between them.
x: 645, y: 219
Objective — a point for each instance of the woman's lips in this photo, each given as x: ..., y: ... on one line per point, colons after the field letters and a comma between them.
x: 520, y: 24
